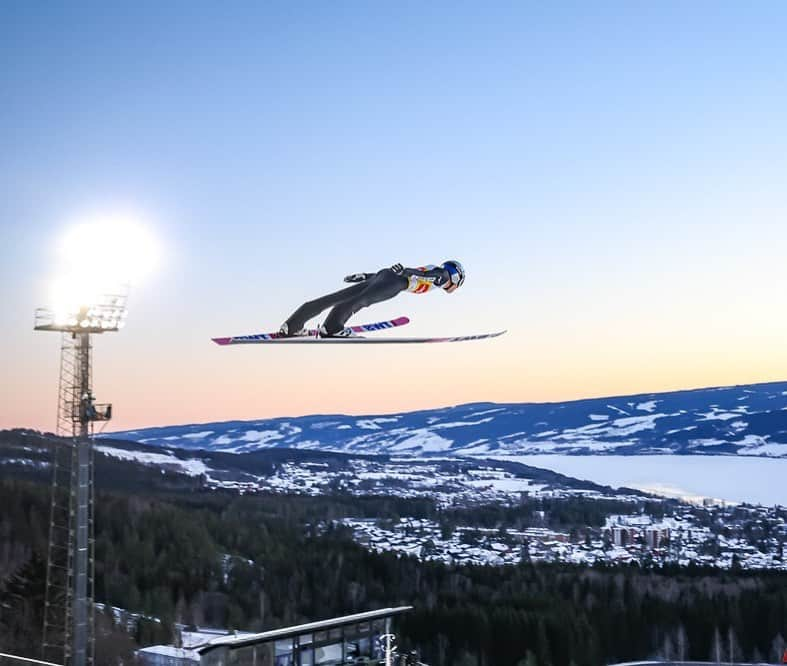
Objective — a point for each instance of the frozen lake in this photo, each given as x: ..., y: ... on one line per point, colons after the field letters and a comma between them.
x: 730, y: 478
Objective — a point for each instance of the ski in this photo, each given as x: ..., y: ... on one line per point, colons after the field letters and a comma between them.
x: 357, y: 340
x: 312, y: 334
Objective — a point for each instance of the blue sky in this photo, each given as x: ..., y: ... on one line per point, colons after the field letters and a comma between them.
x: 612, y: 175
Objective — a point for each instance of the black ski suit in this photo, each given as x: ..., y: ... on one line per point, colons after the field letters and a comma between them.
x: 370, y: 288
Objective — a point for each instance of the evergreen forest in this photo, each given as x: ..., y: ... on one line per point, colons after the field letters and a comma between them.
x: 255, y: 562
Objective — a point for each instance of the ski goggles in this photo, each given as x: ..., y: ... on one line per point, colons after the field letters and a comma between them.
x: 456, y: 278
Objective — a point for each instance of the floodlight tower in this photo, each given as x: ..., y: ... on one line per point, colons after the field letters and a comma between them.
x: 69, y: 609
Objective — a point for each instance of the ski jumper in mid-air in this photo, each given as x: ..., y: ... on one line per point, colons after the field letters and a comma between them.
x: 371, y: 288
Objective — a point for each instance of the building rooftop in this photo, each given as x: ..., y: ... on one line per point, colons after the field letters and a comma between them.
x: 288, y: 632
x: 170, y: 651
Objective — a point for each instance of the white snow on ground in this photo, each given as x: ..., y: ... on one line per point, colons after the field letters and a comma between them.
x: 592, y: 445
x: 672, y: 432
x: 171, y: 654
x: 223, y: 439
x: 582, y: 432
x: 458, y: 424
x: 618, y: 410
x: 706, y: 442
x: 752, y: 440
x: 204, y: 635
x: 289, y: 429
x: 739, y: 425
x: 755, y: 445
x: 325, y: 424
x: 344, y: 427
x: 567, y: 443
x: 308, y: 444
x: 492, y: 411
x: 666, y: 490
x: 388, y: 475
x: 476, y: 449
x: 731, y: 478
x: 260, y: 436
x: 537, y: 447
x: 648, y: 406
x: 365, y: 441
x: 632, y: 424
x: 424, y: 438
x: 191, y: 466
x: 598, y: 417
x: 717, y: 415
x: 507, y: 485
x: 546, y: 433
x: 374, y: 424
x: 621, y: 427
x: 197, y: 435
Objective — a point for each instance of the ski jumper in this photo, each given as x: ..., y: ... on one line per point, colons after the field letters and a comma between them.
x: 371, y: 288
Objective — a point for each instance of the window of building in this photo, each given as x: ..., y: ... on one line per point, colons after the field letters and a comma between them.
x: 328, y: 655
x: 283, y: 653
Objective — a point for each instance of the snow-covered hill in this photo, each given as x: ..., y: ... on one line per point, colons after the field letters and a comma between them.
x: 742, y: 420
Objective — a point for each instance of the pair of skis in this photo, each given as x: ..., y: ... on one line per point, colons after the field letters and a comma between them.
x: 350, y: 335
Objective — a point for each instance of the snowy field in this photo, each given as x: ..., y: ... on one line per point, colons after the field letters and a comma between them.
x: 730, y: 478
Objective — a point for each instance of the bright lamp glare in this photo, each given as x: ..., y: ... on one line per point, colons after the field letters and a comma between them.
x: 110, y: 249
x: 102, y: 255
x: 70, y: 293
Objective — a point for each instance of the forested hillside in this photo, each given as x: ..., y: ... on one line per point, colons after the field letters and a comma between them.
x: 254, y: 562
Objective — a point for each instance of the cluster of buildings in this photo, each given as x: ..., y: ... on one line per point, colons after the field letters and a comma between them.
x: 637, y: 530
x: 624, y: 539
x: 708, y: 534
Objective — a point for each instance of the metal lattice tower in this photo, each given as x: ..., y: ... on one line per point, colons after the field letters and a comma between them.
x: 69, y: 610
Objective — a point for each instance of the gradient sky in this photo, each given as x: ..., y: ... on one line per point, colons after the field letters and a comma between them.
x: 613, y: 175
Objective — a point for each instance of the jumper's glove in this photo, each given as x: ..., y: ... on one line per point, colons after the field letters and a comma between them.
x: 355, y: 277
x: 398, y: 269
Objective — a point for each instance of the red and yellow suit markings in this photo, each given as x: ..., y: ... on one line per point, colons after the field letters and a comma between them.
x: 420, y: 285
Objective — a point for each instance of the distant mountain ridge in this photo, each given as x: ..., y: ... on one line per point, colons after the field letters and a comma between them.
x: 746, y: 420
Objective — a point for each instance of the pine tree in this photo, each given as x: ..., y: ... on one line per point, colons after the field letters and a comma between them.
x: 777, y: 648
x: 717, y: 649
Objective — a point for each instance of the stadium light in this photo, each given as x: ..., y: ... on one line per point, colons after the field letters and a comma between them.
x: 115, y: 248
x: 99, y: 259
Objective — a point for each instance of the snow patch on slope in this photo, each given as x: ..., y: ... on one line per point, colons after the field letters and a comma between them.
x: 425, y: 440
x: 459, y: 424
x: 374, y: 424
x: 191, y: 466
x: 198, y: 435
x: 260, y: 436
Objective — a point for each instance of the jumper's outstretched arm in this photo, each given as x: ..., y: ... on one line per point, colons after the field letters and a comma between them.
x: 358, y: 277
